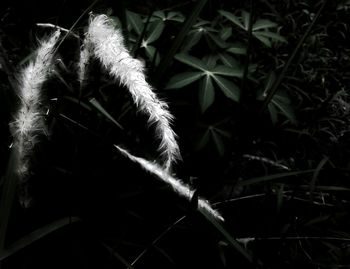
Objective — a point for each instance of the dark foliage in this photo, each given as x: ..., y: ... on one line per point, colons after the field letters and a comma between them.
x: 262, y: 114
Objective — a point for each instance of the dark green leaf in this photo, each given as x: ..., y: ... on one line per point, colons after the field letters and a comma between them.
x: 150, y: 52
x: 273, y: 113
x: 217, y: 40
x: 155, y: 30
x: 219, y: 144
x: 283, y: 104
x: 226, y: 33
x: 228, y: 60
x: 204, y: 140
x: 227, y: 71
x: 263, y: 24
x: 159, y: 14
x: 210, y: 61
x: 183, y: 79
x: 246, y: 19
x: 135, y: 21
x: 191, y: 40
x: 166, y: 60
x: 191, y: 61
x: 175, y: 16
x: 232, y: 18
x: 237, y: 48
x: 271, y: 35
x: 228, y: 88
x: 206, y: 93
x: 266, y: 41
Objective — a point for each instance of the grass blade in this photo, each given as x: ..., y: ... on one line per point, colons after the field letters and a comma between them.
x: 36, y: 235
x: 316, y: 173
x: 99, y: 107
x: 290, y: 60
x: 7, y: 196
x: 227, y: 236
x: 272, y: 177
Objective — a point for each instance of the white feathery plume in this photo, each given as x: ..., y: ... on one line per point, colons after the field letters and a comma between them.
x: 178, y: 186
x: 85, y: 57
x: 28, y: 122
x: 108, y: 46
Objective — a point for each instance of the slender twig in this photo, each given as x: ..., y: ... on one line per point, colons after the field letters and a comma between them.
x: 75, y: 23
x: 50, y: 25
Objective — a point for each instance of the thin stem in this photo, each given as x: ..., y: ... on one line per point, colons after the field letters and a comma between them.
x: 157, y: 239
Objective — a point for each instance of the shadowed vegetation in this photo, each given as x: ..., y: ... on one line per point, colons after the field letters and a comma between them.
x: 259, y: 92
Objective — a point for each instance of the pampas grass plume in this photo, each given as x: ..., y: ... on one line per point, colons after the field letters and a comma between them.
x: 28, y: 122
x: 108, y: 46
x: 178, y: 186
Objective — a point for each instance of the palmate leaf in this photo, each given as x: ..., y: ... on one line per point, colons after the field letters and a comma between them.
x: 216, y: 135
x: 192, y: 39
x: 203, y: 141
x: 191, y: 61
x: 246, y: 19
x: 170, y: 16
x: 267, y: 38
x: 228, y: 88
x: 135, y: 21
x: 210, y: 62
x: 273, y: 112
x: 228, y: 60
x: 233, y: 71
x: 178, y: 41
x: 209, y: 71
x: 183, y: 79
x: 155, y: 30
x: 263, y: 40
x: 175, y: 16
x: 232, y: 18
x: 150, y: 52
x: 217, y: 139
x: 217, y: 40
x: 282, y: 104
x: 237, y: 48
x: 206, y: 93
x: 260, y: 28
x: 263, y: 24
x: 225, y: 33
x: 271, y: 35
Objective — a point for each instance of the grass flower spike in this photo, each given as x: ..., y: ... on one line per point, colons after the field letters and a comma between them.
x: 108, y: 46
x: 178, y: 186
x: 29, y: 122
x: 85, y: 57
